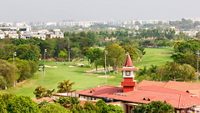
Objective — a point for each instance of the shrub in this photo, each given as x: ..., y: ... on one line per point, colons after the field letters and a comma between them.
x: 53, y: 108
x: 43, y: 92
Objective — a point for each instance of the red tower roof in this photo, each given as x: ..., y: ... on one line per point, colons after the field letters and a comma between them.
x: 128, y: 62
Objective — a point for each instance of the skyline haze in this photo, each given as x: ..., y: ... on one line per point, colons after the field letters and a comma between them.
x: 56, y: 10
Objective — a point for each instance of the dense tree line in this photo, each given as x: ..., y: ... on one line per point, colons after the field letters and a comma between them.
x: 21, y: 104
x: 185, y: 52
x: 169, y: 71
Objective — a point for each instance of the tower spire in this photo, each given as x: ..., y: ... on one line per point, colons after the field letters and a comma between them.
x: 128, y: 62
x: 128, y: 82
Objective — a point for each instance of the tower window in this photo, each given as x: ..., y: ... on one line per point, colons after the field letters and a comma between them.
x: 128, y: 73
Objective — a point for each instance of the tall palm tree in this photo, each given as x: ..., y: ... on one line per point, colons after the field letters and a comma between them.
x: 65, y: 86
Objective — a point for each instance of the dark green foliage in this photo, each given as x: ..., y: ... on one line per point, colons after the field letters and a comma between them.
x: 72, y: 103
x: 24, y: 69
x: 68, y: 102
x: 43, y: 92
x: 53, y: 108
x: 169, y: 71
x: 115, y: 56
x: 5, y: 99
x: 22, y: 105
x: 95, y: 56
x: 154, y: 107
x: 134, y: 51
x: 185, y: 52
x: 175, y: 71
x: 3, y: 83
x: 28, y: 52
x: 6, y: 51
x: 8, y: 72
x: 104, y: 108
x: 17, y: 104
x: 90, y: 108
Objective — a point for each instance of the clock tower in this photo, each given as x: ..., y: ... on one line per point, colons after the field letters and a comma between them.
x: 128, y: 82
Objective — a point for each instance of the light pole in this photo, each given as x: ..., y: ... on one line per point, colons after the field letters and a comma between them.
x: 198, y: 53
x: 45, y: 51
x: 14, y: 55
x: 105, y: 53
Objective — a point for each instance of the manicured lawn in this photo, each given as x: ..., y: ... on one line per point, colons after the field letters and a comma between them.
x: 55, y: 75
x: 83, y: 80
x: 155, y: 56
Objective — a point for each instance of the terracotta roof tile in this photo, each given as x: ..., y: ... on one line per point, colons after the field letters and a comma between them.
x: 148, y: 91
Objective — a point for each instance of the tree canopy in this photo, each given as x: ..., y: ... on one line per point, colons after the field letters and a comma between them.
x: 154, y: 107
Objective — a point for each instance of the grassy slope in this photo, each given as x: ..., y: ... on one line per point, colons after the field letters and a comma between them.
x: 155, y: 56
x: 83, y: 80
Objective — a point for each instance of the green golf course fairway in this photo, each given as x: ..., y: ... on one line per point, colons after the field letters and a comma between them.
x: 57, y: 72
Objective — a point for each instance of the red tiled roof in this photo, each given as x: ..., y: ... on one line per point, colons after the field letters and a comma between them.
x: 182, y: 86
x: 190, y: 87
x: 151, y: 83
x: 99, y: 91
x: 146, y: 92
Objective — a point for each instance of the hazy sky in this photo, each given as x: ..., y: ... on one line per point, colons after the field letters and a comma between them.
x: 53, y: 10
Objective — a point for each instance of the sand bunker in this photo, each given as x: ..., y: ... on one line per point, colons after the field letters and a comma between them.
x: 103, y: 76
x: 47, y: 66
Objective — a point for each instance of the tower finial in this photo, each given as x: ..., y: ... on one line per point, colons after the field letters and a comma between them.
x: 128, y: 62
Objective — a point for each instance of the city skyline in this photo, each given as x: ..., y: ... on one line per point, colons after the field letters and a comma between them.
x: 56, y: 10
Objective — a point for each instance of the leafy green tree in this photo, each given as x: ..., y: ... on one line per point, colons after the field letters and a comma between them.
x: 90, y: 108
x: 39, y: 92
x: 22, y: 104
x: 3, y: 83
x: 65, y: 86
x: 104, y: 108
x: 53, y: 108
x: 154, y: 107
x: 76, y: 53
x: 6, y: 51
x: 115, y: 56
x: 8, y: 72
x: 28, y: 52
x: 95, y: 55
x: 5, y: 99
x: 24, y: 69
x: 134, y: 52
x: 185, y: 52
x: 63, y: 54
x: 68, y: 102
x: 175, y: 71
x: 3, y: 106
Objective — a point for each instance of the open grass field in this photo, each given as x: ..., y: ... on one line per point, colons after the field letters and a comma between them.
x: 155, y: 56
x: 83, y: 80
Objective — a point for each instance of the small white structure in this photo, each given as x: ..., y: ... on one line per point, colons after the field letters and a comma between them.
x: 57, y: 34
x: 2, y: 35
x: 13, y: 34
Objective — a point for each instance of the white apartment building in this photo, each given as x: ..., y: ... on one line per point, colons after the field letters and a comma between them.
x: 2, y: 35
